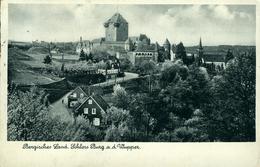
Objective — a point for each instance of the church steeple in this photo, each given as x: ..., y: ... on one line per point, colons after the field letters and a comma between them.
x: 200, y: 50
x: 200, y: 45
x: 200, y: 53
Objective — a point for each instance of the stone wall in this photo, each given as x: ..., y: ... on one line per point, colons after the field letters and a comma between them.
x: 122, y: 32
x: 119, y: 33
x: 111, y: 33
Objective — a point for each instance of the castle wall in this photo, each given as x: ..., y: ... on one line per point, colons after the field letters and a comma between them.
x: 111, y: 33
x: 122, y: 32
x: 136, y: 58
x: 119, y: 33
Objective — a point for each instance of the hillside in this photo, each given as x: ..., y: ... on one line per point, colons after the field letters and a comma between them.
x: 21, y: 69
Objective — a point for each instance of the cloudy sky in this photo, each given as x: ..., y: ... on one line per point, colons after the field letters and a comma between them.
x: 216, y: 24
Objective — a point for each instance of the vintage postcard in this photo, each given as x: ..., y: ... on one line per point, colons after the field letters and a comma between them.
x: 137, y: 83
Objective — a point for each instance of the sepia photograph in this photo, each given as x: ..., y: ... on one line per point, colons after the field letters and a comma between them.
x: 131, y: 72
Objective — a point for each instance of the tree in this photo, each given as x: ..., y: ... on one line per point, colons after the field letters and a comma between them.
x: 229, y: 56
x: 172, y: 72
x: 148, y: 67
x: 82, y: 55
x: 118, y: 121
x: 83, y: 130
x: 125, y: 65
x: 181, y: 52
x: 26, y: 115
x: 90, y: 56
x: 120, y: 97
x: 232, y: 113
x: 120, y: 133
x: 47, y: 60
x: 101, y: 65
x: 166, y: 65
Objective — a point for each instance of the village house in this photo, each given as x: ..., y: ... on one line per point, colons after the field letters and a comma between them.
x: 92, y: 108
x: 218, y: 60
x: 85, y: 102
x: 76, y: 96
x: 211, y: 59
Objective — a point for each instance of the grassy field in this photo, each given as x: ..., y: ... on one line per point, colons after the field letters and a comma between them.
x: 66, y: 57
x: 21, y: 66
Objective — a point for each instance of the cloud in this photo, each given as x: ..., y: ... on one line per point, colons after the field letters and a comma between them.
x: 216, y: 24
x: 222, y: 12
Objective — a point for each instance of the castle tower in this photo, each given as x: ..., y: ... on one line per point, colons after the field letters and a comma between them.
x: 128, y: 45
x: 116, y: 28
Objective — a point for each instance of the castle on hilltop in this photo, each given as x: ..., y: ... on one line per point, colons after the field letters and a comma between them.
x: 136, y: 48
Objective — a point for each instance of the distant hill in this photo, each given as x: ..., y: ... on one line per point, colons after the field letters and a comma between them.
x: 221, y: 49
x: 36, y: 50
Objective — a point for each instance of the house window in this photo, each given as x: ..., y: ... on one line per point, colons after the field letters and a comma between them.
x: 90, y: 101
x: 96, y: 121
x: 72, y: 104
x: 74, y: 95
x: 94, y: 111
x: 81, y: 95
x: 85, y: 110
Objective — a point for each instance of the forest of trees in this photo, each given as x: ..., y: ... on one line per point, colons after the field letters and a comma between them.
x: 191, y: 106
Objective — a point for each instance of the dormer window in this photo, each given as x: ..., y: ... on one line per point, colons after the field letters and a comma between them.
x: 74, y: 95
x: 81, y: 95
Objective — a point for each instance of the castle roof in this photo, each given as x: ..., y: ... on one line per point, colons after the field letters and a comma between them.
x: 116, y: 18
x: 145, y: 48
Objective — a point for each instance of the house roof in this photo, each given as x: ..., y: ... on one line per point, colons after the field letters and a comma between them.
x: 101, y: 102
x: 78, y: 88
x: 97, y: 98
x: 116, y: 18
x: 210, y: 57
